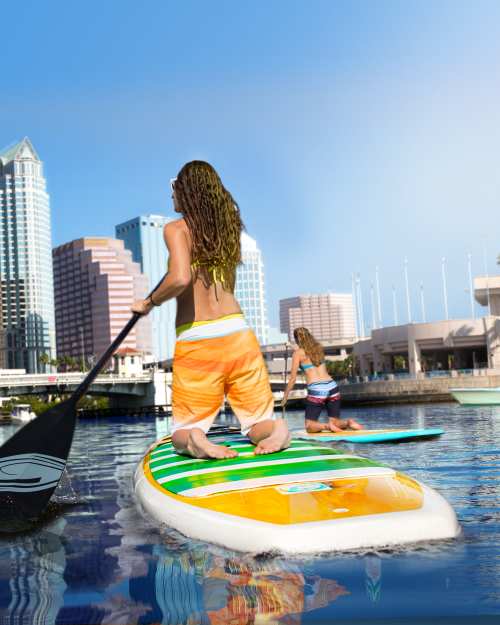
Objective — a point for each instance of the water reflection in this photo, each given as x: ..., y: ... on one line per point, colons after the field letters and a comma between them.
x: 177, y: 581
x: 102, y: 562
x: 373, y: 582
x: 210, y: 587
x: 32, y: 581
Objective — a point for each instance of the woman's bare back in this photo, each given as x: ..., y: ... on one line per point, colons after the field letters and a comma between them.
x: 199, y: 302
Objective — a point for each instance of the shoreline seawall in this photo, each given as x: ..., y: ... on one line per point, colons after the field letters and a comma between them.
x: 411, y: 390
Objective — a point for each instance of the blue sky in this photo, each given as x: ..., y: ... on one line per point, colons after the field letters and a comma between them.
x: 352, y: 134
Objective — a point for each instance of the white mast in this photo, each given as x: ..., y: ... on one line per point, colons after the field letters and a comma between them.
x: 471, y: 293
x: 422, y: 302
x: 394, y: 306
x: 445, y: 293
x: 407, y: 291
x: 355, y: 304
x: 360, y: 303
x: 379, y: 307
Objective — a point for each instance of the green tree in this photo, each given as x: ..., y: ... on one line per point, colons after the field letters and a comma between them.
x: 399, y: 363
x: 340, y: 368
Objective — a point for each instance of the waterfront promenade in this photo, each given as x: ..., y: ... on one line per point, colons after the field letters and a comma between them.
x: 154, y: 388
x: 414, y: 389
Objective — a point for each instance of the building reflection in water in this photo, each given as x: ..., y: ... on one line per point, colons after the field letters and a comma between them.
x: 32, y: 582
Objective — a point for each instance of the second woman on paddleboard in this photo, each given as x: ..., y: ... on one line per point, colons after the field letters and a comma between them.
x: 216, y: 353
x: 322, y: 390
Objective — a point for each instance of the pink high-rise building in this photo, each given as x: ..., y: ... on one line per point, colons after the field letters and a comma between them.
x: 95, y: 283
x: 328, y: 316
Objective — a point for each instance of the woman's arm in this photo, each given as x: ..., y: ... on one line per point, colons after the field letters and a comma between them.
x: 293, y: 375
x: 179, y: 269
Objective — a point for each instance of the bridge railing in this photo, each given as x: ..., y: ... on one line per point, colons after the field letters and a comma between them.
x: 71, y: 378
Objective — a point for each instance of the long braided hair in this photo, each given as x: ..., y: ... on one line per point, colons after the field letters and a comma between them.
x: 213, y: 219
x: 310, y: 345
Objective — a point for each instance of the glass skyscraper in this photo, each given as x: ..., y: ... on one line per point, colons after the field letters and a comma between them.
x: 143, y: 236
x: 249, y: 289
x: 26, y: 282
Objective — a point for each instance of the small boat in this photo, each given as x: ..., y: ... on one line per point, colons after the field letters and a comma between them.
x: 22, y: 412
x: 477, y: 396
x: 308, y: 498
x: 370, y: 436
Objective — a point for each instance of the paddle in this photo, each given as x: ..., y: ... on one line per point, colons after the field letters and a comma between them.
x: 33, y: 460
x: 284, y: 378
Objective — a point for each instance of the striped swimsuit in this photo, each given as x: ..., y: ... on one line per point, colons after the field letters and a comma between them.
x: 322, y: 395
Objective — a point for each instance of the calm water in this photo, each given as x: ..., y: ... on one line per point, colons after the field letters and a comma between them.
x: 100, y: 561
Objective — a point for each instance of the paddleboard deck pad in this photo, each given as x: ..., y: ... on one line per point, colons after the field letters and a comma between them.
x: 370, y: 436
x: 308, y: 498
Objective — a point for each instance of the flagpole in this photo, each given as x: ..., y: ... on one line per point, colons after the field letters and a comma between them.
x: 407, y: 291
x: 372, y: 298
x: 355, y: 304
x: 471, y: 293
x: 360, y: 302
x: 394, y: 306
x: 445, y: 293
x: 379, y: 307
x: 487, y: 281
x: 422, y: 302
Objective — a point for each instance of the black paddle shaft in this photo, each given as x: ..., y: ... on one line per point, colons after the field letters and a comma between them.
x: 33, y: 459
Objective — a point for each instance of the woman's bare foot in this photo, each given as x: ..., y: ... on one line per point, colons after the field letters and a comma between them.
x: 199, y: 446
x: 335, y: 425
x: 354, y: 425
x: 313, y: 427
x: 278, y: 439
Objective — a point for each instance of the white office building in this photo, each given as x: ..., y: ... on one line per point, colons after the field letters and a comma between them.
x: 249, y: 290
x: 26, y: 281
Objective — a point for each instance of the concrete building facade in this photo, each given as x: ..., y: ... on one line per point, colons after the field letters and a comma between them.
x: 26, y: 280
x: 250, y: 288
x: 143, y: 236
x: 417, y: 347
x: 441, y: 345
x: 328, y: 316
x: 96, y: 282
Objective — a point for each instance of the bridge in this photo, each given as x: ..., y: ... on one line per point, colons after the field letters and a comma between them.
x: 147, y: 389
x: 150, y: 388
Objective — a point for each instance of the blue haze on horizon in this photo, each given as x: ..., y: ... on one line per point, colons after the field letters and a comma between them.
x: 351, y: 133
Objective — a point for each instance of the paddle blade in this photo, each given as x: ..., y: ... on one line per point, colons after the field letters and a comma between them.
x: 32, y: 462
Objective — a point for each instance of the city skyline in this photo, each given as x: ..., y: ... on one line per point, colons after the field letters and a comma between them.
x: 164, y: 349
x: 356, y: 145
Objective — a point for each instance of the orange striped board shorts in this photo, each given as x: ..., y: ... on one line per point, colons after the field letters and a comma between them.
x: 214, y: 359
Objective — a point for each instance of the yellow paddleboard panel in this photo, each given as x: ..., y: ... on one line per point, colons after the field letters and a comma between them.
x: 340, y: 499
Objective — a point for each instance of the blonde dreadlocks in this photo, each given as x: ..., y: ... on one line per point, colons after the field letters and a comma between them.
x: 214, y: 221
x: 310, y: 345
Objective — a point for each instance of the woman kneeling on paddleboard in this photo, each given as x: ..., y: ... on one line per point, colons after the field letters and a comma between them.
x: 322, y: 391
x: 216, y: 353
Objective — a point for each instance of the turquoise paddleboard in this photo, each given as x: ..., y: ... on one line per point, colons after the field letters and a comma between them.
x: 370, y: 436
